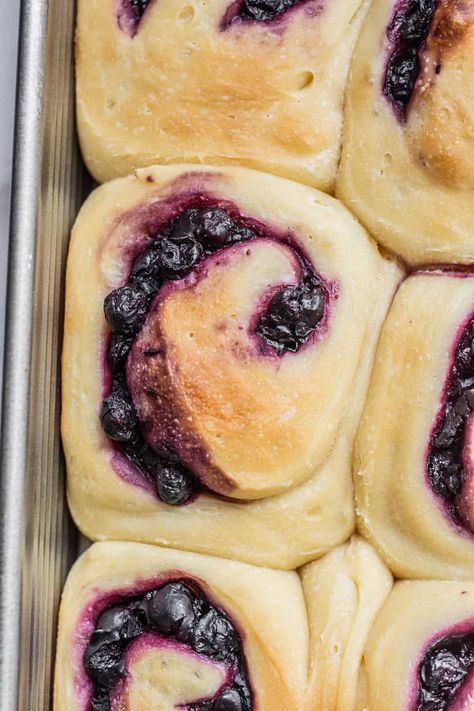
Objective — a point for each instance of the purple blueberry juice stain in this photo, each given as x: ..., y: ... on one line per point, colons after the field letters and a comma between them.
x: 176, y: 614
x: 444, y: 672
x: 130, y: 13
x: 446, y: 459
x: 173, y: 251
x: 407, y: 34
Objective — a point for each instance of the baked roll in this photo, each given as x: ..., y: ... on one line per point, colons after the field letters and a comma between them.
x: 144, y: 628
x: 420, y: 652
x: 214, y: 405
x: 407, y: 168
x: 250, y: 82
x: 413, y: 456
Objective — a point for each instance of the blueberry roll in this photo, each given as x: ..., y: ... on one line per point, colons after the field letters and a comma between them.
x: 420, y: 652
x: 414, y: 472
x: 407, y: 168
x: 143, y: 628
x: 258, y: 83
x: 219, y: 332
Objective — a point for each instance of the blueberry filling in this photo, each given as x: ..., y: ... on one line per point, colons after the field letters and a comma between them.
x: 264, y: 10
x: 407, y: 33
x: 445, y: 459
x: 443, y: 670
x: 179, y: 611
x: 290, y: 318
x: 139, y: 7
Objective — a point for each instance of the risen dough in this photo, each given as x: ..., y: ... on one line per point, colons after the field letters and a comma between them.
x: 414, y: 617
x: 265, y: 95
x: 293, y: 646
x: 412, y: 183
x: 311, y: 399
x: 397, y: 508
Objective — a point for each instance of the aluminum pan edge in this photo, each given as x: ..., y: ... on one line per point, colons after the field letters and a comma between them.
x: 37, y: 539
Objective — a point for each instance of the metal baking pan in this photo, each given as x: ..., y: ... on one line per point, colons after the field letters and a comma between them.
x: 37, y: 538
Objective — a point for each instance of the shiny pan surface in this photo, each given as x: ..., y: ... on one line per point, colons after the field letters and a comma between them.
x: 37, y: 538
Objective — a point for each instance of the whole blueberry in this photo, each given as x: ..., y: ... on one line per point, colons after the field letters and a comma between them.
x: 185, y: 226
x: 118, y: 417
x: 446, y: 475
x: 170, y: 609
x: 146, y: 270
x: 120, y: 620
x: 216, y: 228
x: 442, y: 669
x: 178, y: 257
x: 214, y: 635
x: 228, y: 700
x: 175, y: 484
x: 119, y: 348
x: 125, y: 308
x: 103, y: 658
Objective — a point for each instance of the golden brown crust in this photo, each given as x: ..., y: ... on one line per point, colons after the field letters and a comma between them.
x: 412, y: 183
x: 268, y: 96
x: 326, y: 380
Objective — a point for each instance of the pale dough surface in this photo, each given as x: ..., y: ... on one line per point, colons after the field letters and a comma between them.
x: 412, y: 184
x: 396, y: 507
x: 411, y: 618
x: 329, y: 377
x: 264, y: 95
x: 311, y: 635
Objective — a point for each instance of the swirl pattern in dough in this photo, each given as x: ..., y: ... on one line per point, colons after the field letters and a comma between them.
x: 240, y: 82
x: 148, y: 628
x: 408, y: 150
x: 420, y: 651
x: 413, y: 454
x: 242, y: 378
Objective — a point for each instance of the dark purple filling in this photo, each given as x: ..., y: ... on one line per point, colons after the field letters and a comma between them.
x: 442, y: 671
x: 288, y: 322
x: 446, y: 469
x: 407, y: 33
x: 180, y: 611
x: 264, y: 10
x: 139, y: 7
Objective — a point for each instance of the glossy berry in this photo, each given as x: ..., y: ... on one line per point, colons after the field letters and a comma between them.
x: 122, y: 621
x: 178, y: 257
x: 186, y: 225
x: 215, y: 228
x: 118, y: 417
x: 215, y: 636
x: 170, y: 610
x: 265, y: 10
x: 125, y: 308
x: 147, y: 270
x: 443, y: 670
x: 103, y: 659
x: 291, y: 316
x: 229, y: 700
x: 139, y: 7
x: 119, y: 348
x: 175, y: 484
